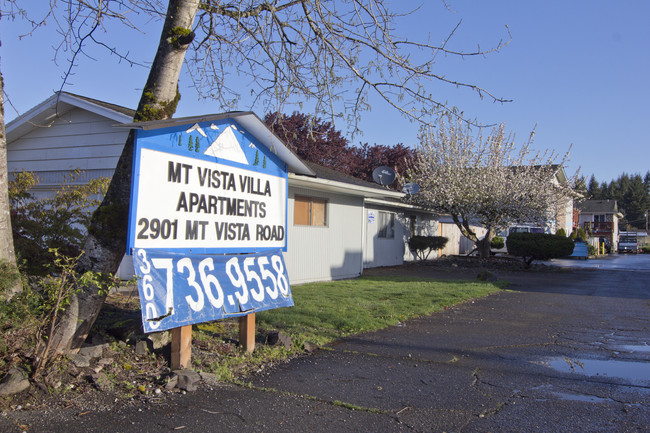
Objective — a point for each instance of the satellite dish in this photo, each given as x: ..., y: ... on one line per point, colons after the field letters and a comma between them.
x: 411, y: 189
x: 383, y: 175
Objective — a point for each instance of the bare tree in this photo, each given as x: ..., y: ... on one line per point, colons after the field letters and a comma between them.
x: 306, y: 51
x: 485, y: 181
x: 319, y: 50
x: 7, y: 254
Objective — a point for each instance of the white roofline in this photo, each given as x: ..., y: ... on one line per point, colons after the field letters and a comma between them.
x: 247, y: 119
x: 402, y: 205
x: 341, y: 187
x: 45, y: 113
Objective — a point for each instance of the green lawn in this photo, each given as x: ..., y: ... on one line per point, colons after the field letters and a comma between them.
x: 324, y: 312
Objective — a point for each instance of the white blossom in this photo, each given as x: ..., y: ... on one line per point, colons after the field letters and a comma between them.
x: 486, y: 181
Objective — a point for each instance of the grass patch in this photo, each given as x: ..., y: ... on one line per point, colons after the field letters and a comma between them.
x: 324, y: 312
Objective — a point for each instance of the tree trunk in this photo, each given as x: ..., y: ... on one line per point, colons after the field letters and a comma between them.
x: 106, y: 242
x: 7, y: 253
x: 484, y: 245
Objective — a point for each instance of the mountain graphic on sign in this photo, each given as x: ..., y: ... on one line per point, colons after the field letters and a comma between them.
x: 226, y: 146
x: 196, y: 128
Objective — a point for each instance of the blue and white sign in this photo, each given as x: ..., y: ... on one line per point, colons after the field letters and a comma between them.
x: 200, y: 191
x: 207, y: 188
x: 178, y: 289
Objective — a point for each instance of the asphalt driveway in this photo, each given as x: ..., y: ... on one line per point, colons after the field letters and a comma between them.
x: 560, y: 351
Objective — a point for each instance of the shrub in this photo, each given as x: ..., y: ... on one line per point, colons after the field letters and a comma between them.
x: 578, y: 234
x: 422, y: 246
x: 561, y: 232
x: 539, y: 246
x: 28, y: 320
x: 56, y: 222
x: 498, y: 242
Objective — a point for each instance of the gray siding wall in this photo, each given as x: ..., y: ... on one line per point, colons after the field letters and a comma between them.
x: 80, y: 139
x: 325, y: 253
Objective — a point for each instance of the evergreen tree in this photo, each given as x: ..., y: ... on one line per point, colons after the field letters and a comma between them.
x: 632, y: 193
x: 636, y: 201
x: 595, y: 191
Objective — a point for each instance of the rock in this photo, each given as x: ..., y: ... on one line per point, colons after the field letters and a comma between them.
x: 285, y: 340
x: 188, y: 380
x: 100, y: 381
x: 93, y: 351
x: 159, y: 339
x: 105, y: 361
x: 277, y: 337
x: 141, y: 347
x: 171, y: 384
x: 209, y: 378
x: 80, y: 360
x: 310, y: 347
x: 13, y: 382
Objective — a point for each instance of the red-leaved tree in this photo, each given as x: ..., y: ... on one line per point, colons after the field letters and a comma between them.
x: 317, y: 141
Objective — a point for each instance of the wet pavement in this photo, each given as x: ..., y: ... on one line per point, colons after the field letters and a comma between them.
x: 560, y: 351
x: 630, y: 262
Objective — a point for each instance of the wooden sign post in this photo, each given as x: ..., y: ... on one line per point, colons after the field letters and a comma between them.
x: 247, y: 332
x: 181, y: 347
x: 182, y: 341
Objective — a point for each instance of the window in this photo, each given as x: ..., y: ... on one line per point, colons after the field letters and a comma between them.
x: 386, y: 225
x: 309, y: 211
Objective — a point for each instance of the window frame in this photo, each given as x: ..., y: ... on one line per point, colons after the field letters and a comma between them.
x: 311, y: 219
x: 386, y: 228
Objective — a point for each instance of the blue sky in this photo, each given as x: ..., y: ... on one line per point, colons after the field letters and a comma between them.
x: 577, y: 71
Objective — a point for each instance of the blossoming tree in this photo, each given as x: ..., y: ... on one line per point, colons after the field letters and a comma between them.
x: 485, y: 181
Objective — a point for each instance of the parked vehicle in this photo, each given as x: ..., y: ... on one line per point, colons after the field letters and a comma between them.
x: 628, y: 242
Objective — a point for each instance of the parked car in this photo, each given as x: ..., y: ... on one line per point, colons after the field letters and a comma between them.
x: 628, y: 242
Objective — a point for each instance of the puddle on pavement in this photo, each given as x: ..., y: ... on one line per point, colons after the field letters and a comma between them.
x: 636, y: 348
x: 582, y: 398
x: 571, y: 396
x: 637, y: 373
